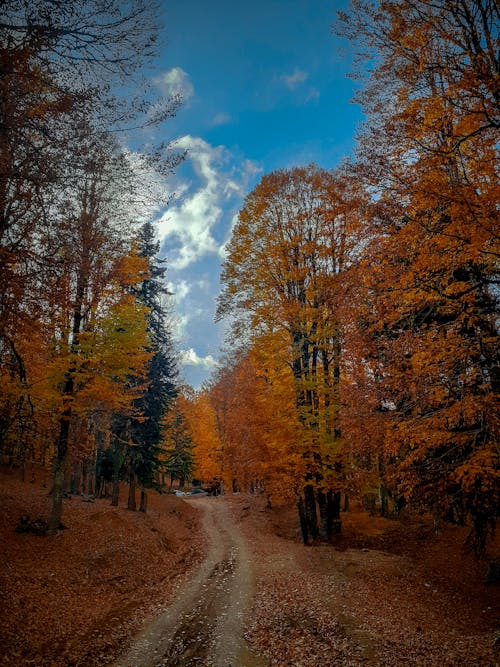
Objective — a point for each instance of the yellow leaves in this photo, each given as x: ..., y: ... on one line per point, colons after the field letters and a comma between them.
x: 102, y: 359
x: 201, y: 418
x: 131, y: 269
x: 110, y: 354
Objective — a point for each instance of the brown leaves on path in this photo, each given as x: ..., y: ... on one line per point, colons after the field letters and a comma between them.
x: 402, y: 595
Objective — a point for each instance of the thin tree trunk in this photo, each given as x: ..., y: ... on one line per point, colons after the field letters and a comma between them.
x: 303, y: 521
x: 117, y: 464
x: 311, y: 512
x: 325, y: 523
x: 384, y: 501
x: 144, y: 501
x: 91, y: 489
x: 59, y: 463
x: 132, y: 501
x: 334, y: 500
x: 346, y: 503
x: 115, y: 492
x: 68, y: 391
x: 84, y: 470
x: 75, y: 480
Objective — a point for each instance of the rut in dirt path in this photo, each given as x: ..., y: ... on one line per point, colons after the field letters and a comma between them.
x: 205, y: 625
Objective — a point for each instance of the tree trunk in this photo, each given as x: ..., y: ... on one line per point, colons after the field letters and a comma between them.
x: 115, y: 493
x: 75, y: 480
x: 132, y: 501
x: 325, y: 522
x: 91, y: 490
x: 84, y: 471
x: 144, y: 501
x: 59, y: 463
x: 384, y: 501
x: 303, y: 521
x: 68, y: 391
x: 310, y: 511
x: 335, y: 498
x: 117, y: 464
x: 346, y: 503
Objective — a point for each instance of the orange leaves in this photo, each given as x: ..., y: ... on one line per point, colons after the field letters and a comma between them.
x: 480, y: 479
x: 285, y: 285
x: 200, y: 415
x: 427, y: 282
x: 131, y: 269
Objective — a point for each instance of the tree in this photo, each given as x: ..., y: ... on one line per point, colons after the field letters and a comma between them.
x: 64, y: 185
x: 233, y: 395
x: 161, y: 369
x: 431, y: 153
x: 105, y: 345
x: 199, y: 412
x: 294, y: 237
x: 178, y: 447
x: 59, y: 64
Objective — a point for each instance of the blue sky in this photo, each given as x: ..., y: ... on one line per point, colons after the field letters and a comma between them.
x: 265, y: 87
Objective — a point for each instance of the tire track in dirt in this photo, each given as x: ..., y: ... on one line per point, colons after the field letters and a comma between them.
x: 205, y: 625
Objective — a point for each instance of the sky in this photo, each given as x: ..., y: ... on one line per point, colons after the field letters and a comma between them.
x: 265, y: 87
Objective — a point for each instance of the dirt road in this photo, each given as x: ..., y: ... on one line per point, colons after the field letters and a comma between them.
x: 307, y: 606
x: 205, y: 625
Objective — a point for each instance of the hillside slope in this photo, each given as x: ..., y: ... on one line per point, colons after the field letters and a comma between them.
x: 71, y: 599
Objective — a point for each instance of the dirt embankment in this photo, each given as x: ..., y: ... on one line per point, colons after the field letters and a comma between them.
x: 390, y: 593
x: 75, y: 598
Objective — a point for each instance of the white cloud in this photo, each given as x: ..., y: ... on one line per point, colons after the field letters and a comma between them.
x: 203, y: 284
x: 179, y: 325
x: 147, y: 191
x: 175, y: 82
x: 312, y: 94
x: 223, y: 248
x: 292, y: 81
x: 222, y: 118
x: 191, y: 358
x: 179, y: 289
x: 190, y: 219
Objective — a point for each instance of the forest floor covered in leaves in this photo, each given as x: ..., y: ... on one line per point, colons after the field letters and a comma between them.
x: 73, y: 599
x: 389, y: 593
x: 403, y: 592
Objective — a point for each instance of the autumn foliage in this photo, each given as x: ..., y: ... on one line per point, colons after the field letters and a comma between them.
x: 364, y: 300
x: 362, y: 358
x: 76, y: 341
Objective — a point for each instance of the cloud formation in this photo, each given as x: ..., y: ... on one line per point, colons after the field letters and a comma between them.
x: 186, y: 228
x: 191, y: 358
x: 292, y: 81
x: 175, y: 82
x: 222, y: 118
x: 312, y: 94
x: 179, y: 289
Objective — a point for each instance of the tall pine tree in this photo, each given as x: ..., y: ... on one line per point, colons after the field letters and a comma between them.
x: 145, y: 430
